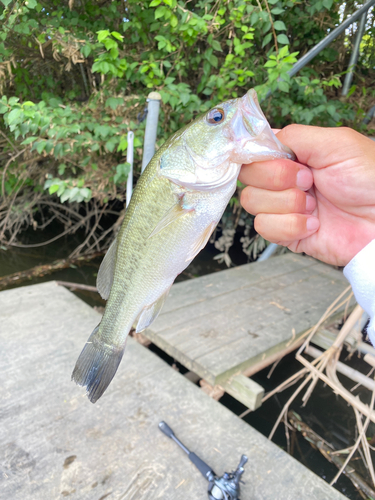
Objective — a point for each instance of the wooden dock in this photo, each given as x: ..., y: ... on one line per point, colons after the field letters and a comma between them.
x: 228, y: 325
x: 55, y: 444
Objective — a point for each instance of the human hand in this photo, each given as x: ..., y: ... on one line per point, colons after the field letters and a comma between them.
x: 323, y: 204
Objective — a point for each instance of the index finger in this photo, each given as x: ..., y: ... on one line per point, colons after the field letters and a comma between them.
x: 320, y: 147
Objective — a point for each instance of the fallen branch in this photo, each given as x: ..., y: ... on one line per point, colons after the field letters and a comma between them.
x: 45, y: 269
x: 329, y: 453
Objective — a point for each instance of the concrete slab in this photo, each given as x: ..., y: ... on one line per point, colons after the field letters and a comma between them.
x: 55, y: 444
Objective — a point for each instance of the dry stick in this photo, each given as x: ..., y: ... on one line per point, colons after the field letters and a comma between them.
x: 77, y: 286
x: 35, y: 245
x: 304, y: 345
x: 362, y: 431
x: 344, y: 332
x: 286, y: 406
x: 10, y: 142
x: 356, y: 444
x: 273, y: 27
x: 355, y: 402
x: 97, y: 220
x: 5, y: 170
x: 319, y: 361
x: 294, y: 378
x: 328, y: 452
x: 331, y: 372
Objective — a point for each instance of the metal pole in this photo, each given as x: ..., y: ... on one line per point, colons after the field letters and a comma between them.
x: 270, y: 250
x: 354, y: 55
x: 328, y: 39
x: 130, y: 159
x: 153, y: 100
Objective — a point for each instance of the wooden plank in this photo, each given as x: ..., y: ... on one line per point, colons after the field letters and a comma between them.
x: 245, y: 390
x: 223, y: 323
x: 55, y: 444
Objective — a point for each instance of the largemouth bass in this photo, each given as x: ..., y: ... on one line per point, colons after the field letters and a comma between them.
x: 175, y: 207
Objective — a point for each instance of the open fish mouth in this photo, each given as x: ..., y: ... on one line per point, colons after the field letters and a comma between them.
x: 252, y: 134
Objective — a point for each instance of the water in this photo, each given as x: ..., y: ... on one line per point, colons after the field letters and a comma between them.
x: 326, y: 413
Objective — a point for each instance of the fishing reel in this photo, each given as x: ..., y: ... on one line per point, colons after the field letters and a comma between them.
x: 225, y: 487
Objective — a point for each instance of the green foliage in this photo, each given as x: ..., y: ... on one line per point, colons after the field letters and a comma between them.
x: 75, y: 76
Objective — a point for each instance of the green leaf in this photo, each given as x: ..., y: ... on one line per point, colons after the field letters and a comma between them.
x: 279, y: 26
x: 122, y: 171
x: 102, y: 35
x: 283, y: 39
x: 29, y: 140
x: 113, y: 102
x: 14, y: 115
x: 117, y: 35
x: 283, y: 51
x: 216, y: 46
x: 277, y: 10
x: 160, y: 11
x: 266, y: 40
x: 39, y: 146
x: 155, y: 3
x: 53, y: 189
x: 284, y: 86
x: 327, y: 3
x: 86, y: 50
x: 270, y: 64
x: 111, y: 144
x: 5, y: 2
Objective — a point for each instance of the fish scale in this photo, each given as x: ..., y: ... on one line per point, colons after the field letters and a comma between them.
x: 175, y: 207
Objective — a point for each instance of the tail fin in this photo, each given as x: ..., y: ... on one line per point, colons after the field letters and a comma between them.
x: 96, y: 366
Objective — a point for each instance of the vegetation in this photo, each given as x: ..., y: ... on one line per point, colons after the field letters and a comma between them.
x: 75, y: 75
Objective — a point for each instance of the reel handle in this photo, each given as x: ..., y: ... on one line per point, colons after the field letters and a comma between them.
x: 166, y: 429
x: 243, y: 461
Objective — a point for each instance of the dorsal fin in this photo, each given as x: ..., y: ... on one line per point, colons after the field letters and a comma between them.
x: 106, y: 271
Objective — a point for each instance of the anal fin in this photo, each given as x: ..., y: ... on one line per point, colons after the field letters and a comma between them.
x: 150, y: 313
x: 106, y: 271
x: 201, y: 242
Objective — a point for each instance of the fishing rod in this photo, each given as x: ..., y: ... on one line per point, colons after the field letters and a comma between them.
x: 225, y: 487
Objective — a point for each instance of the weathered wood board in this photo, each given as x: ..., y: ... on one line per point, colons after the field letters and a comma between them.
x: 224, y: 323
x: 54, y: 444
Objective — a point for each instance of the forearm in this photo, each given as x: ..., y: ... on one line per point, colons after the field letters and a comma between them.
x: 360, y: 272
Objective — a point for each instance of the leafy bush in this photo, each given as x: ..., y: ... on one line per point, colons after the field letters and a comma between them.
x: 75, y: 77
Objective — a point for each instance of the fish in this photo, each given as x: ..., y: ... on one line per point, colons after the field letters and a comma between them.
x: 176, y: 205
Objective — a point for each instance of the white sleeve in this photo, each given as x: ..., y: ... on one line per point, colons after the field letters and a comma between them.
x: 360, y: 272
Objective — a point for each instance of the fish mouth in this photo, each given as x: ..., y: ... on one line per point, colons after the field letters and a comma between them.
x: 253, y: 135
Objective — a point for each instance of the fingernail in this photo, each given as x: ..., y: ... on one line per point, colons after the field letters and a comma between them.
x: 303, y: 179
x: 312, y: 224
x: 310, y: 203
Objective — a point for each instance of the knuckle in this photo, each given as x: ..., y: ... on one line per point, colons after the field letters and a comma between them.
x: 294, y: 226
x: 245, y: 199
x: 297, y: 201
x: 280, y: 175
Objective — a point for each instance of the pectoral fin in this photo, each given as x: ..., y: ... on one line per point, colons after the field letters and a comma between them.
x: 201, y: 242
x: 150, y: 313
x: 175, y: 213
x: 106, y: 272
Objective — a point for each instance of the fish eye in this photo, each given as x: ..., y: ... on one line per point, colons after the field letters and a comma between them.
x: 216, y: 116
